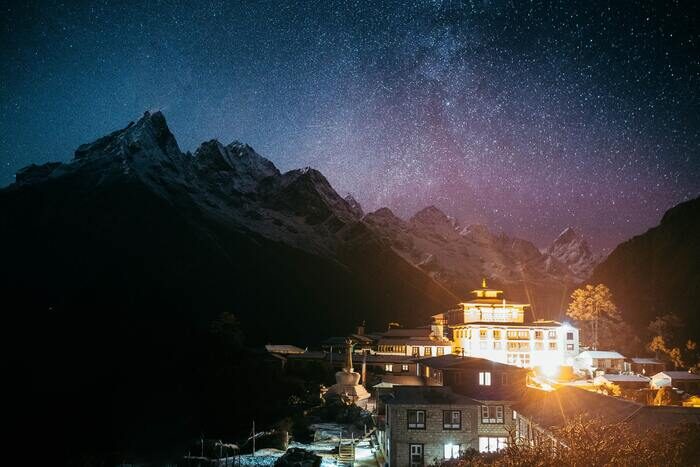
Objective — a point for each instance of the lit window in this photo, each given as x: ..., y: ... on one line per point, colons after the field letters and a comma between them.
x: 552, y: 346
x: 491, y: 414
x: 404, y: 367
x: 452, y: 451
x: 515, y: 415
x: 451, y: 419
x: 416, y: 351
x: 440, y: 351
x: 416, y: 451
x: 492, y: 444
x: 416, y: 419
x: 539, y: 335
x: 482, y: 333
x: 428, y: 351
x: 388, y: 367
x: 485, y: 378
x: 496, y: 333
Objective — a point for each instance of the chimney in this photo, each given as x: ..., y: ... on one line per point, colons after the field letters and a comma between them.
x: 361, y: 329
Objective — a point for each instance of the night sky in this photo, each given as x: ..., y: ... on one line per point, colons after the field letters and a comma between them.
x: 525, y: 116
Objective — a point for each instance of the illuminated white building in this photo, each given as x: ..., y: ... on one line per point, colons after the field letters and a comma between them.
x: 488, y: 326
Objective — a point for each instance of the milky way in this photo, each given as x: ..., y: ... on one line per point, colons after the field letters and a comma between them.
x: 525, y: 116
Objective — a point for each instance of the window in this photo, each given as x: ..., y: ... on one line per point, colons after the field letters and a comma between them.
x: 482, y: 333
x: 539, y: 346
x: 452, y: 451
x: 515, y: 415
x: 440, y: 351
x: 497, y: 346
x: 451, y: 420
x: 505, y: 378
x: 416, y: 455
x: 428, y: 351
x: 552, y: 346
x: 552, y: 334
x: 570, y: 347
x: 416, y: 351
x: 522, y: 346
x: 496, y: 334
x: 388, y: 367
x: 523, y: 334
x: 539, y: 335
x: 569, y: 336
x: 491, y: 444
x: 416, y: 419
x: 404, y: 367
x: 483, y: 345
x: 491, y: 414
x: 484, y: 378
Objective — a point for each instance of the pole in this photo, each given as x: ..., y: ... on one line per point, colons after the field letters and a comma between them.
x: 253, y: 438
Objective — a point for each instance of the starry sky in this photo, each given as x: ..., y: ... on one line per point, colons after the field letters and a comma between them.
x: 524, y: 116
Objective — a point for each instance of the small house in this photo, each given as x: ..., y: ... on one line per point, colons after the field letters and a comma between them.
x: 683, y: 380
x: 592, y: 361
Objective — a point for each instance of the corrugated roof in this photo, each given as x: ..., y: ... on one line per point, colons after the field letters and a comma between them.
x: 552, y: 409
x: 679, y: 375
x: 430, y: 395
x: 645, y: 361
x: 600, y: 354
x: 283, y: 349
x: 624, y: 378
x: 456, y: 362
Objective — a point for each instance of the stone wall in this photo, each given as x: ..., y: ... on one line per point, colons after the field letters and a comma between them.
x: 434, y: 436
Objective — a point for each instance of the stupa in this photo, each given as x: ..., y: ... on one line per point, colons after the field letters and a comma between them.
x: 347, y: 382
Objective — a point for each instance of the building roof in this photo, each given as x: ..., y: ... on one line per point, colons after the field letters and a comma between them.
x: 404, y: 380
x: 599, y: 354
x: 645, y: 361
x: 428, y: 395
x: 624, y: 378
x: 313, y: 355
x: 552, y: 409
x: 458, y: 362
x: 283, y: 349
x: 678, y: 375
x: 512, y: 324
x: 415, y: 341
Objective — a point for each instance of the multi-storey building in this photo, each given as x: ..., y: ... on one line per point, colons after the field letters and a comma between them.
x: 488, y: 326
x: 424, y: 424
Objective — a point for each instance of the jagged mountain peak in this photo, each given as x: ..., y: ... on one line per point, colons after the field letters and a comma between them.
x: 241, y: 160
x: 354, y: 205
x: 571, y: 249
x: 432, y: 216
x: 568, y: 235
x: 150, y: 134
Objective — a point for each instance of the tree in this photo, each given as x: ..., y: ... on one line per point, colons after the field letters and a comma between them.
x: 227, y: 329
x: 669, y: 337
x: 594, y: 307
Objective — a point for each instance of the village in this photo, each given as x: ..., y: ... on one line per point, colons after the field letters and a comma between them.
x: 476, y: 380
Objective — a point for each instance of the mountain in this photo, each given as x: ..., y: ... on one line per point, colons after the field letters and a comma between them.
x: 458, y: 257
x: 572, y: 250
x: 658, y: 272
x: 116, y: 263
